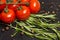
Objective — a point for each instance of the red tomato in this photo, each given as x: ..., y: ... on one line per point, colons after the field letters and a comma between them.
x: 8, y: 17
x: 23, y: 13
x: 2, y: 6
x: 34, y: 6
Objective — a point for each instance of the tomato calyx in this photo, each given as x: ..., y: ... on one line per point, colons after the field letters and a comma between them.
x: 19, y: 8
x: 18, y: 1
x: 9, y: 1
x: 6, y: 10
x: 27, y: 3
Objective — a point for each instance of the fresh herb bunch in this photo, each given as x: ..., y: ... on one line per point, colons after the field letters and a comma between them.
x: 41, y: 26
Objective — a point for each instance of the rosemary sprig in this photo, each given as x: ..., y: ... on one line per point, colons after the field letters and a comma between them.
x: 44, y: 16
x: 36, y: 27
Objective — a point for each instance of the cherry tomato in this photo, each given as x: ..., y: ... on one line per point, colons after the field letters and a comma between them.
x: 8, y: 17
x: 34, y: 6
x: 23, y: 13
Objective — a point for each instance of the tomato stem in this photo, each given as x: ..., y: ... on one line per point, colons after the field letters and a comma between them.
x: 19, y: 8
x: 27, y: 3
x: 6, y: 9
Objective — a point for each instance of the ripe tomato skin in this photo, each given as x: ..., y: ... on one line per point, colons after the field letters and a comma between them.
x: 34, y: 6
x: 0, y: 16
x: 2, y: 6
x: 12, y: 6
x: 3, y: 1
x: 14, y: 1
x: 23, y: 14
x: 25, y: 1
x: 8, y: 17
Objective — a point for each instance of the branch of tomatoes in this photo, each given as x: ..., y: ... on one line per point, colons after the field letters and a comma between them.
x: 22, y: 12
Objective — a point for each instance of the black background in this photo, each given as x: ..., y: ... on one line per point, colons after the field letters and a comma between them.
x: 48, y: 6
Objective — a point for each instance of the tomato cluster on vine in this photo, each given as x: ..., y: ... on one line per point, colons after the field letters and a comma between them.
x: 20, y: 9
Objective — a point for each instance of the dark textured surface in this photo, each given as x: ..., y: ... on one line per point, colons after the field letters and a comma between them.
x: 47, y: 6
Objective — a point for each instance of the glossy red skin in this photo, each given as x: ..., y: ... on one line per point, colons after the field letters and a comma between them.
x: 14, y: 1
x: 2, y: 6
x: 3, y: 1
x: 34, y: 6
x: 13, y: 6
x: 25, y: 1
x: 23, y: 14
x: 0, y: 16
x: 8, y: 17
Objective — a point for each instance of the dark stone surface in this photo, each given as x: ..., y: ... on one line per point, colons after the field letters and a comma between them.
x: 49, y: 5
